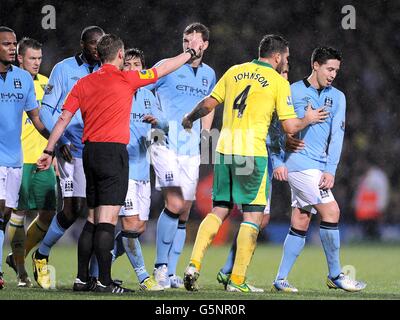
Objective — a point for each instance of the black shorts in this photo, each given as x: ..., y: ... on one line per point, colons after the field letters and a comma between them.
x: 106, y: 169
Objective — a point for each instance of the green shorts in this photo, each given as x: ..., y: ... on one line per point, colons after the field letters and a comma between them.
x: 38, y: 189
x: 242, y: 180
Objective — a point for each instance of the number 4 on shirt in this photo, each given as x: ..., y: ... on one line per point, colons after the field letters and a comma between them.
x: 240, y: 101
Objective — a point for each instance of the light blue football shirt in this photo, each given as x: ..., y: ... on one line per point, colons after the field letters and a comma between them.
x: 323, y: 141
x: 62, y: 78
x: 143, y: 103
x: 17, y: 94
x: 178, y: 93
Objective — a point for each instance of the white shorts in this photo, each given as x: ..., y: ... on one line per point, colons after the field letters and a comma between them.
x: 137, y: 200
x: 305, y: 190
x: 10, y: 183
x: 72, y: 178
x: 174, y: 170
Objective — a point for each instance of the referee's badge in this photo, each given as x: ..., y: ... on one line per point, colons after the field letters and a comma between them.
x: 146, y: 74
x: 17, y: 84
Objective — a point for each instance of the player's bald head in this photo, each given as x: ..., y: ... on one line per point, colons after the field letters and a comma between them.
x: 88, y: 32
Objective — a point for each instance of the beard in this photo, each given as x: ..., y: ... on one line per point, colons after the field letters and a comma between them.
x: 280, y: 67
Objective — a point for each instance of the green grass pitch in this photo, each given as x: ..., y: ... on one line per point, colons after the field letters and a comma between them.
x: 377, y: 264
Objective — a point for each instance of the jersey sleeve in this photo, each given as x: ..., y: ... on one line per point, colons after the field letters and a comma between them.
x: 53, y: 91
x: 31, y: 102
x: 218, y: 93
x: 284, y: 104
x: 213, y: 81
x: 71, y: 102
x: 276, y: 144
x: 337, y: 136
x: 141, y: 78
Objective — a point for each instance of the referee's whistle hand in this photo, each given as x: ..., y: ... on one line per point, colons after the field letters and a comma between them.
x: 44, y: 162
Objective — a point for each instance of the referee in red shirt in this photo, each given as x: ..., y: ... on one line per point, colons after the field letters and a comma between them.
x: 104, y: 98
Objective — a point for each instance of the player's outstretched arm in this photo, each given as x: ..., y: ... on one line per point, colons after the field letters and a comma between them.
x: 203, y: 108
x: 292, y: 126
x: 171, y: 64
x: 34, y: 116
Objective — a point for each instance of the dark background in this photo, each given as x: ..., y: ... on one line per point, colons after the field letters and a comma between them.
x: 368, y: 76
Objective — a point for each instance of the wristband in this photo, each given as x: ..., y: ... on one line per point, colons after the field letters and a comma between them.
x: 192, y: 52
x: 50, y: 153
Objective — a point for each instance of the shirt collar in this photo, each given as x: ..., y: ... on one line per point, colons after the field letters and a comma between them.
x: 79, y: 60
x: 308, y: 84
x: 261, y: 63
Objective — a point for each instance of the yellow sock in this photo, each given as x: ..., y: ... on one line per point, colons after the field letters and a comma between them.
x: 34, y: 234
x: 16, y: 234
x: 207, y: 231
x: 245, y: 246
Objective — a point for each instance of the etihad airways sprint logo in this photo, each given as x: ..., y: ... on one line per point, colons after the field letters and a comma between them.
x: 184, y: 89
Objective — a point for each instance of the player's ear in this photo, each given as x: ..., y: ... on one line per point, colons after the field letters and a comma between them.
x: 205, y: 45
x: 315, y: 66
x: 82, y: 44
x: 19, y: 57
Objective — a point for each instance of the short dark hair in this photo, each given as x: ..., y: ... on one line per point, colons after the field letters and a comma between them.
x: 135, y: 53
x: 26, y: 43
x: 108, y: 47
x: 323, y: 54
x: 6, y: 29
x: 89, y: 31
x: 270, y: 44
x: 198, y: 27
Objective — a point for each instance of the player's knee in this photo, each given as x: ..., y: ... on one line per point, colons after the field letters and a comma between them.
x: 175, y: 206
x: 78, y: 207
x: 65, y: 220
x: 46, y: 217
x: 264, y: 221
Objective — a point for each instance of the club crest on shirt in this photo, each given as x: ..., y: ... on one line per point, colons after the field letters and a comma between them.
x: 169, y: 176
x: 328, y: 102
x: 17, y: 84
x: 205, y: 82
x: 146, y: 74
x: 147, y: 103
x: 48, y: 88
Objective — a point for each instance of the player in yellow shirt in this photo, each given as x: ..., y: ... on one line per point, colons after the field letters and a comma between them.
x: 251, y: 92
x: 38, y: 189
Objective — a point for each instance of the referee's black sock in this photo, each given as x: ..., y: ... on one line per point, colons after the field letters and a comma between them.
x: 85, y: 250
x: 103, y: 245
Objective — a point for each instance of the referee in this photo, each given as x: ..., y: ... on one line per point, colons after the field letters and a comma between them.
x: 104, y: 98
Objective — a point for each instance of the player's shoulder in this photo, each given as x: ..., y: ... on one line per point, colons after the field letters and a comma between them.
x: 297, y: 85
x: 146, y: 93
x: 208, y: 68
x: 21, y: 73
x: 338, y: 92
x: 66, y: 63
x: 42, y: 79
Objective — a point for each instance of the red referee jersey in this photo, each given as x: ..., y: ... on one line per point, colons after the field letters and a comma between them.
x: 105, y: 100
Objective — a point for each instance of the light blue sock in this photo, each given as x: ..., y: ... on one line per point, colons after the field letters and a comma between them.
x: 133, y: 250
x: 54, y: 233
x: 93, y: 267
x: 330, y: 239
x: 1, y: 246
x: 228, y: 266
x: 176, y: 249
x: 166, y: 228
x: 292, y: 247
